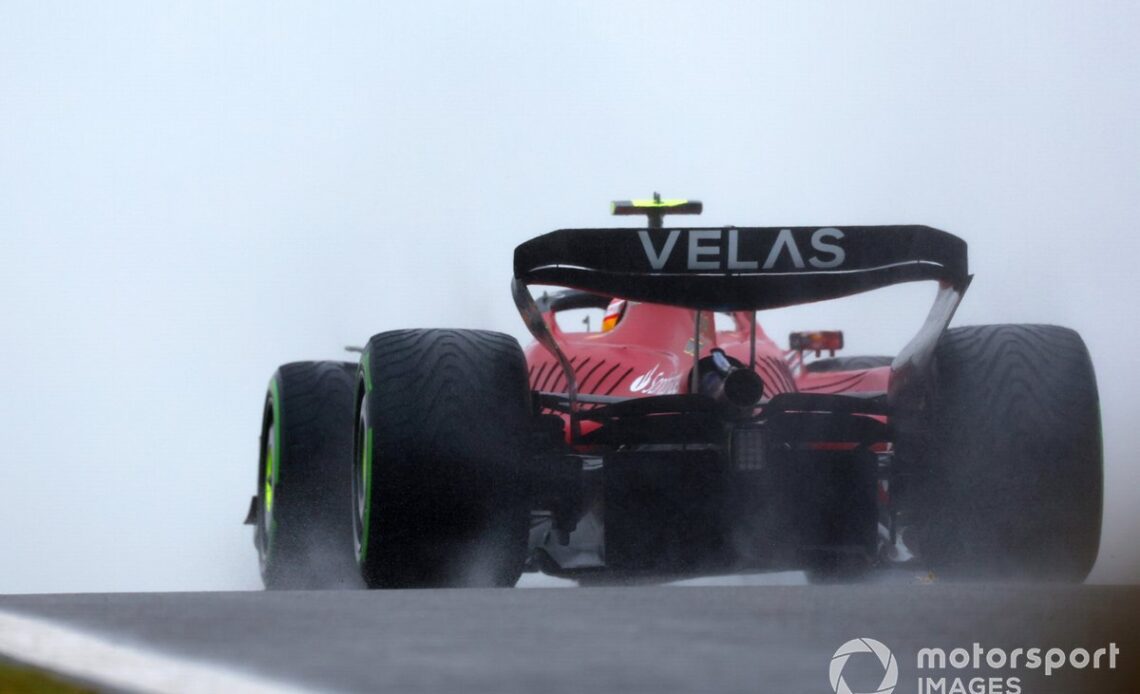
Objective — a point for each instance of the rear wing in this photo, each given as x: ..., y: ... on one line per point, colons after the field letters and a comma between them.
x: 746, y: 269
x: 740, y: 268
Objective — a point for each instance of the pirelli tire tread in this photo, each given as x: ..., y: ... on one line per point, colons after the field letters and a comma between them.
x: 449, y: 412
x: 309, y: 545
x: 857, y: 363
x: 1016, y: 463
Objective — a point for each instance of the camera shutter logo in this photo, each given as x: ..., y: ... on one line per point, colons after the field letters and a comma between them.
x: 864, y: 645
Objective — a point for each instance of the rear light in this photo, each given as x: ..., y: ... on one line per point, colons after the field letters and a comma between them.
x: 749, y: 449
x: 818, y: 341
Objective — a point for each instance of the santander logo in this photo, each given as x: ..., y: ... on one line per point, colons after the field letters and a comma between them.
x: 654, y: 382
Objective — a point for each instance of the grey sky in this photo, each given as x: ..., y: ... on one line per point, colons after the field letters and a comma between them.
x: 192, y: 193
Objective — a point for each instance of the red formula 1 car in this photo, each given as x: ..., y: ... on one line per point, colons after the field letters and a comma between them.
x: 680, y: 439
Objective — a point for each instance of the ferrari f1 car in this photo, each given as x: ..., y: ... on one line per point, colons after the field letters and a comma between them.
x: 680, y: 439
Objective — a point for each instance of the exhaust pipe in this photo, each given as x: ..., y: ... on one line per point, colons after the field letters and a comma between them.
x: 730, y: 384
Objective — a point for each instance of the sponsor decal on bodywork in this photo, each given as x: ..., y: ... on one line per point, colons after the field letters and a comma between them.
x: 656, y: 382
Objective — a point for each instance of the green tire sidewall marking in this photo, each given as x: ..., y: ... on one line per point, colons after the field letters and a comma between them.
x: 366, y: 366
x: 366, y: 522
x: 366, y: 463
x: 273, y: 465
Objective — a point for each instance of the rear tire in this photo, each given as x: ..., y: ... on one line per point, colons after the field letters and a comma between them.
x: 441, y: 438
x: 1014, y: 465
x: 303, y: 531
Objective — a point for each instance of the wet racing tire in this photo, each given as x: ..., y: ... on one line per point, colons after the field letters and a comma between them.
x: 303, y: 506
x: 441, y: 436
x: 1015, y: 469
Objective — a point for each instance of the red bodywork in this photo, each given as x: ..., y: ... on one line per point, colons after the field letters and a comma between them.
x: 650, y: 352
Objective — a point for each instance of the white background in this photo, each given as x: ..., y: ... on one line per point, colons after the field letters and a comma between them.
x: 192, y: 193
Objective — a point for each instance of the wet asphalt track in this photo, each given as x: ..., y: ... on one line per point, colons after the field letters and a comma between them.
x: 644, y: 639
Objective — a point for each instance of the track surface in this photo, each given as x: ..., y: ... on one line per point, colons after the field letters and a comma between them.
x: 648, y: 639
